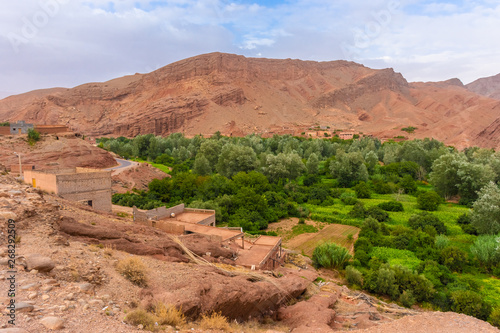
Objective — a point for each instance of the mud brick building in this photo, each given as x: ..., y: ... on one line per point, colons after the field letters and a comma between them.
x: 88, y: 186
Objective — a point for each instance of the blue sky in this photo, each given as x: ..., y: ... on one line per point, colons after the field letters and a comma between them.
x: 48, y: 43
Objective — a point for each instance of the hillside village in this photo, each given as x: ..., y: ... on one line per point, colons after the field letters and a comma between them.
x: 72, y: 242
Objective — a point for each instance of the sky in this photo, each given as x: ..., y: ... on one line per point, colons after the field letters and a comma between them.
x: 63, y: 43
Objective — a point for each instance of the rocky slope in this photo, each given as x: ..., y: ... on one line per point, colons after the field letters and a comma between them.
x: 488, y: 86
x: 238, y: 95
x: 53, y: 152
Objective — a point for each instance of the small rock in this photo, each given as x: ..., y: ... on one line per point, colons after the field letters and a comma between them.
x: 50, y: 282
x: 32, y: 295
x: 24, y: 307
x: 87, y: 288
x: 39, y: 262
x: 47, y: 288
x: 31, y: 286
x: 69, y: 296
x: 96, y: 302
x: 13, y: 330
x: 52, y: 323
x: 34, y: 272
x: 140, y: 326
x: 63, y: 308
x: 45, y: 297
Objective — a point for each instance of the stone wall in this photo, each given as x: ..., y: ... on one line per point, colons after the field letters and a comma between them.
x: 83, y: 182
x: 20, y: 126
x: 99, y: 200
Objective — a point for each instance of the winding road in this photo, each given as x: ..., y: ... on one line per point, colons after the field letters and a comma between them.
x: 124, y: 165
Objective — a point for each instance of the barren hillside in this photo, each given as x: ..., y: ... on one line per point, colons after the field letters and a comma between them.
x: 238, y: 95
x: 53, y: 152
x: 488, y: 86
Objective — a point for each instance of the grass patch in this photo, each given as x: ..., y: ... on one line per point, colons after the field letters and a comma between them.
x: 303, y: 229
x: 396, y: 257
x: 215, y: 321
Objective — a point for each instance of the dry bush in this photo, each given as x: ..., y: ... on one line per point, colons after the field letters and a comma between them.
x: 134, y: 270
x: 169, y: 315
x: 141, y: 317
x: 216, y: 321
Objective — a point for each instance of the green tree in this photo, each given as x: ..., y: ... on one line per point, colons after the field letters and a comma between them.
x: 234, y: 158
x: 444, y: 175
x: 33, y: 136
x: 201, y: 165
x: 485, y: 216
x: 312, y: 164
x: 211, y: 149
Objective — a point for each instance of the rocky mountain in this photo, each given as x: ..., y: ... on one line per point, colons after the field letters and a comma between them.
x: 488, y: 86
x: 238, y: 95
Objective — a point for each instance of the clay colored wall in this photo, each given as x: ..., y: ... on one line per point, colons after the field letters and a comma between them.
x: 4, y: 130
x: 51, y: 129
x: 43, y: 181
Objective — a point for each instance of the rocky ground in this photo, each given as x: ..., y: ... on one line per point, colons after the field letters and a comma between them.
x: 67, y: 280
x: 54, y: 152
x: 138, y: 177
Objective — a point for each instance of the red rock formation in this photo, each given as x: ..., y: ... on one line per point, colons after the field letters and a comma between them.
x: 234, y: 94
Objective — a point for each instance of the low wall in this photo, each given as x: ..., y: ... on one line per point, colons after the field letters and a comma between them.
x: 4, y: 130
x: 140, y: 217
x: 163, y: 212
x: 14, y: 168
x: 169, y: 227
x: 51, y: 129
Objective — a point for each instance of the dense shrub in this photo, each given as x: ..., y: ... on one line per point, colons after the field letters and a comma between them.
x: 423, y: 219
x: 392, y: 206
x: 470, y: 303
x: 353, y: 276
x: 406, y: 298
x: 494, y: 318
x: 362, y: 190
x: 348, y: 198
x: 428, y: 200
x: 441, y: 242
x: 358, y: 211
x: 33, y: 136
x: 330, y: 255
x: 454, y: 258
x: 377, y: 213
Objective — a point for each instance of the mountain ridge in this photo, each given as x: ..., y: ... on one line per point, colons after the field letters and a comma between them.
x: 238, y: 96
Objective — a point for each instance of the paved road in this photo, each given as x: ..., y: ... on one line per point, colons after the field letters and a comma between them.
x: 124, y: 164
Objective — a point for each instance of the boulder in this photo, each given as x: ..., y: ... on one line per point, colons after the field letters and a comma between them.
x: 52, y: 323
x: 39, y: 262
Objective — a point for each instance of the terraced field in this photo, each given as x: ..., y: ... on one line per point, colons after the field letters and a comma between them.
x: 335, y: 233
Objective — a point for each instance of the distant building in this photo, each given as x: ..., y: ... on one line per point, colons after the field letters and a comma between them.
x: 347, y: 135
x: 20, y: 127
x: 88, y: 186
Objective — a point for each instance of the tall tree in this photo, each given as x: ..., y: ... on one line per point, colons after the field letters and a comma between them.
x: 485, y: 216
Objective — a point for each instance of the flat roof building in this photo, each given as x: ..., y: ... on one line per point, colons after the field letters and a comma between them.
x: 91, y: 187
